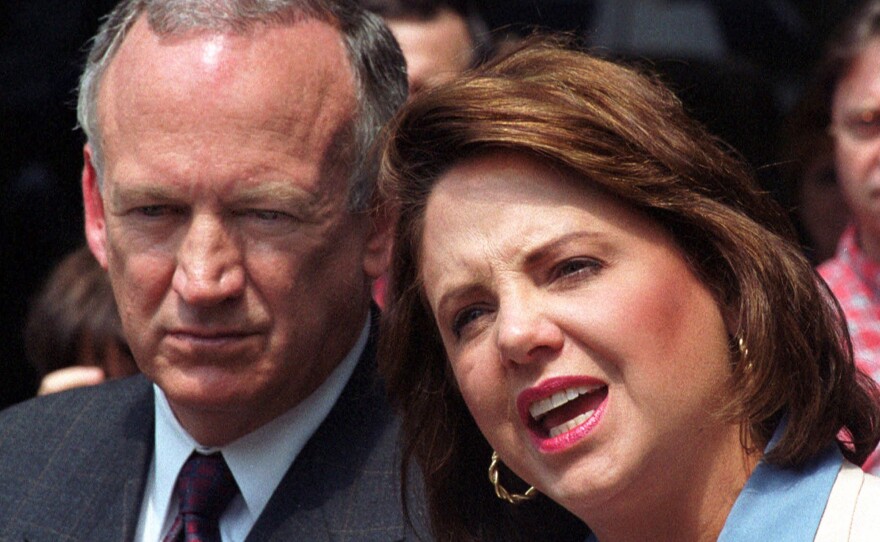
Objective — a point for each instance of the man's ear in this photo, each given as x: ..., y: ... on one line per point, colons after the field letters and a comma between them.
x: 96, y: 226
x: 377, y: 252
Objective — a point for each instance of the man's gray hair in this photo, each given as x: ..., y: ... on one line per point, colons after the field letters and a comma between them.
x: 377, y: 64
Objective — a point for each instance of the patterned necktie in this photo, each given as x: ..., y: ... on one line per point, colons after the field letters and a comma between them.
x: 204, y: 488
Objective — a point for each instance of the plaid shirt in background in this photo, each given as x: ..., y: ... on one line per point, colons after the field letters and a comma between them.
x: 855, y: 281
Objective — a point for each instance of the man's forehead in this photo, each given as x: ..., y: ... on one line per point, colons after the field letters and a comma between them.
x: 290, y: 67
x: 280, y: 87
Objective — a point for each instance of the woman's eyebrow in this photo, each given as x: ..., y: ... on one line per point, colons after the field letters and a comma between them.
x: 543, y: 251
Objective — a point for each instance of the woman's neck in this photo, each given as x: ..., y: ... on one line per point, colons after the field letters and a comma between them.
x: 689, y: 500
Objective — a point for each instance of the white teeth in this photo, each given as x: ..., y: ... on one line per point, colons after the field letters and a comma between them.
x: 571, y: 424
x: 559, y: 399
x: 539, y: 408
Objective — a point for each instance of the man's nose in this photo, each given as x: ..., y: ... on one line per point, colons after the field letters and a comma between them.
x: 210, y: 267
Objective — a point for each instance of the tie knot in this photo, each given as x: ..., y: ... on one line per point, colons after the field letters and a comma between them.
x: 205, y: 486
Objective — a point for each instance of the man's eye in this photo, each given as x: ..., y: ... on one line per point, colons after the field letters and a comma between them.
x: 464, y: 318
x: 268, y: 215
x: 153, y: 210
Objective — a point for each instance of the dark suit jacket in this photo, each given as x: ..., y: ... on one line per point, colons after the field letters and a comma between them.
x: 73, y: 467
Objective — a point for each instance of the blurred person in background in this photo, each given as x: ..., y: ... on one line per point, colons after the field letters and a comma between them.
x: 809, y: 189
x: 849, y: 76
x: 73, y: 335
x: 439, y: 38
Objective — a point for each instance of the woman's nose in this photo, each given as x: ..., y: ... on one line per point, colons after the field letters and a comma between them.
x: 526, y: 331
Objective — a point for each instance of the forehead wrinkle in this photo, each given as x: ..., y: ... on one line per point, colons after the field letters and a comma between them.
x: 462, y: 274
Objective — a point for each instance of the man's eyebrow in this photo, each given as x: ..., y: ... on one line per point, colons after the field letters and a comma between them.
x: 282, y: 192
x: 286, y: 197
x: 120, y: 195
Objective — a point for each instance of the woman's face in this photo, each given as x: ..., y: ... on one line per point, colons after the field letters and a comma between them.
x: 855, y: 112
x: 590, y: 355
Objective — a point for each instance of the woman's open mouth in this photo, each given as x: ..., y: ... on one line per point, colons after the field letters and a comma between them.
x: 560, y: 411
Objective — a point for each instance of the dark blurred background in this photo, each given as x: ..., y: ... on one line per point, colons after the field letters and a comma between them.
x: 739, y: 66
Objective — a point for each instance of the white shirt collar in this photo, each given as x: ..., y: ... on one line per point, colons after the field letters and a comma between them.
x: 258, y: 460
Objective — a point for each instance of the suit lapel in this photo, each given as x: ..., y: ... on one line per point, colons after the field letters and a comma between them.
x: 129, y: 463
x: 343, y: 485
x: 92, y: 490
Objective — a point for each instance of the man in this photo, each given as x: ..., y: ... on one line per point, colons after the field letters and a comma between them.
x: 439, y: 38
x: 228, y: 192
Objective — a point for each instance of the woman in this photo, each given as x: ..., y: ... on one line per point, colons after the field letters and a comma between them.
x: 584, y: 283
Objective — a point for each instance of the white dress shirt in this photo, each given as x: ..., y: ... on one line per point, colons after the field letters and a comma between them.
x: 258, y: 460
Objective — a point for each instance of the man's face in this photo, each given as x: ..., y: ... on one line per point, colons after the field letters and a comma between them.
x: 242, y: 279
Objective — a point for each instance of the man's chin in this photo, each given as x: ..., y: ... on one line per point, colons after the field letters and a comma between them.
x: 209, y: 389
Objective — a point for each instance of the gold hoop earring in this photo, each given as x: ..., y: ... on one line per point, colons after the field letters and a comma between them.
x: 500, y: 491
x: 744, y: 353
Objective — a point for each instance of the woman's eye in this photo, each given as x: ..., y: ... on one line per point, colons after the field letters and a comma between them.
x: 576, y: 267
x: 464, y: 318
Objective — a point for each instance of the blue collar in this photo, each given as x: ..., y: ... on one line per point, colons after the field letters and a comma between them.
x: 784, y: 505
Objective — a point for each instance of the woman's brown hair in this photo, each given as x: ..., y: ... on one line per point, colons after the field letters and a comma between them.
x: 625, y: 133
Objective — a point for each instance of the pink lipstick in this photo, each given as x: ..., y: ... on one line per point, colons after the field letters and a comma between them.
x: 560, y: 411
